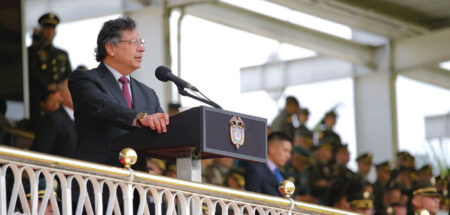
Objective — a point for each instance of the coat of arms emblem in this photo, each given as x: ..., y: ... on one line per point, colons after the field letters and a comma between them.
x: 237, y: 131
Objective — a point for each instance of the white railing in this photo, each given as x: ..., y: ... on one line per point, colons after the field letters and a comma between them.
x: 154, y: 193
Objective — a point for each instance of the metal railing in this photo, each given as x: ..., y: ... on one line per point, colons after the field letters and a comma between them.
x: 24, y: 172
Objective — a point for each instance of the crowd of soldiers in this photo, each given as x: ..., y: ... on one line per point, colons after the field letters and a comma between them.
x: 318, y: 168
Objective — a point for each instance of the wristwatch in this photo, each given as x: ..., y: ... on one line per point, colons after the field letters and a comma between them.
x: 139, y: 117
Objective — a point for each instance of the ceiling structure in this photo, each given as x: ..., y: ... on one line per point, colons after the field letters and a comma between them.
x: 416, y: 31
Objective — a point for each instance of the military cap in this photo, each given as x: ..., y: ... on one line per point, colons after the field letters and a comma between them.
x: 331, y: 113
x: 426, y: 188
x: 49, y: 19
x: 342, y: 147
x: 303, y: 111
x: 323, y: 143
x: 441, y: 181
x: 171, y: 167
x: 404, y: 155
x: 366, y: 157
x: 422, y: 212
x: 41, y: 188
x: 292, y: 100
x: 385, y: 166
x: 160, y: 163
x: 427, y: 169
x: 361, y: 200
x: 302, y: 154
x: 237, y: 175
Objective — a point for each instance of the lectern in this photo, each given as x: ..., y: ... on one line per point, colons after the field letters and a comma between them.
x: 201, y: 133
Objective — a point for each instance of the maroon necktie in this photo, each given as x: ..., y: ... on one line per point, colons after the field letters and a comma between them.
x: 125, y: 90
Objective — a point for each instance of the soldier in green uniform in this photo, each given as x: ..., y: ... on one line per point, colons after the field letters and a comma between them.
x: 297, y: 170
x: 283, y: 122
x: 341, y: 172
x: 48, y: 65
x: 364, y: 166
x: 425, y: 196
x: 303, y: 116
x: 326, y: 130
x: 321, y: 176
x: 424, y: 173
x: 361, y: 201
x: 383, y: 177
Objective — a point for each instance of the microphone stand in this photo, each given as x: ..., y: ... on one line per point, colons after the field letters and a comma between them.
x: 183, y: 92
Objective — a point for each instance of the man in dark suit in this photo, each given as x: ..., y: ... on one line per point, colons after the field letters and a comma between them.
x: 56, y: 133
x: 266, y: 177
x: 107, y: 101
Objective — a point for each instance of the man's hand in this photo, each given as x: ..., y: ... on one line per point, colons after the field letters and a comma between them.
x: 157, y: 121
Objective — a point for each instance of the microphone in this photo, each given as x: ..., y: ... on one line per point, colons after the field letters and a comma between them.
x: 164, y: 74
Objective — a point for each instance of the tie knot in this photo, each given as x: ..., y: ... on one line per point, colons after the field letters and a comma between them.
x: 123, y: 80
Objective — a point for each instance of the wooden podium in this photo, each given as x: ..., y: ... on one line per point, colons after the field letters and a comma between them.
x: 199, y: 133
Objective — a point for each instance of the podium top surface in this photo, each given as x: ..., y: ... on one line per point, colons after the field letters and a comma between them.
x: 202, y: 132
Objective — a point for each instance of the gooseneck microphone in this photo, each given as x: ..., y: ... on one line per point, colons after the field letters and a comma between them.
x: 164, y: 74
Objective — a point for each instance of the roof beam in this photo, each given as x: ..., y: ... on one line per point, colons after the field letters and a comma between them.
x: 286, y: 32
x: 366, y: 20
x: 431, y: 75
x: 421, y: 51
x: 279, y: 75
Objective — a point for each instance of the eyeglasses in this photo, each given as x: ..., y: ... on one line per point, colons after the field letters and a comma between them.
x: 134, y: 42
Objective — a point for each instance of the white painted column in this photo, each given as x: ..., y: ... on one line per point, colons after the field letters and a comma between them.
x: 375, y: 105
x: 151, y: 26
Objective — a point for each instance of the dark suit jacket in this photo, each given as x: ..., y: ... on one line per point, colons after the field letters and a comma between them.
x: 56, y: 134
x: 259, y: 178
x: 102, y: 113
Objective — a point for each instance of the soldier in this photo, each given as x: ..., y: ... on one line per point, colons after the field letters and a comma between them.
x: 425, y: 196
x: 360, y: 201
x: 364, y: 166
x: 297, y: 170
x: 340, y: 170
x: 426, y: 172
x: 303, y: 116
x: 383, y: 177
x: 283, y: 122
x: 216, y: 172
x: 321, y: 175
x: 48, y: 65
x: 404, y: 159
x: 327, y: 132
x: 304, y: 141
x: 235, y: 179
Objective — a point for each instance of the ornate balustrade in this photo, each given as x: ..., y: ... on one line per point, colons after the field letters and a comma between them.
x: 152, y: 194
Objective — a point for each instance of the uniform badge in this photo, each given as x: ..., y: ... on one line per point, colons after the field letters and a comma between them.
x: 237, y: 131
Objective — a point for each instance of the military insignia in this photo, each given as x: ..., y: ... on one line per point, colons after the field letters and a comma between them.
x: 42, y: 55
x: 366, y: 195
x: 237, y: 131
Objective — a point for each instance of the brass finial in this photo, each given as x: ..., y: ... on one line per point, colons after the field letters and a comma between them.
x: 287, y: 188
x: 128, y: 157
x: 422, y: 212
